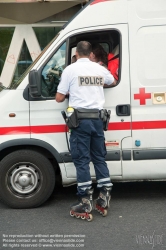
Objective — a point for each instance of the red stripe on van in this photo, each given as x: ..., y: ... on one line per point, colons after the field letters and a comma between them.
x: 137, y: 125
x: 33, y: 129
x: 61, y: 128
x: 149, y: 125
x: 48, y: 129
x: 119, y: 126
x: 14, y: 130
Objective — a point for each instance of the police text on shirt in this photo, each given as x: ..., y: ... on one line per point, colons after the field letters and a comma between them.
x: 90, y: 81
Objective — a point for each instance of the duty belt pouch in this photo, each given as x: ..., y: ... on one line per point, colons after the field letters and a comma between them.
x: 105, y: 116
x: 72, y: 121
x: 88, y: 113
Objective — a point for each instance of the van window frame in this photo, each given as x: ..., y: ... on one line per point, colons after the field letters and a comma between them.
x: 98, y: 31
x: 68, y: 55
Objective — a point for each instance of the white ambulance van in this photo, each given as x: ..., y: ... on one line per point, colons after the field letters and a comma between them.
x: 33, y: 144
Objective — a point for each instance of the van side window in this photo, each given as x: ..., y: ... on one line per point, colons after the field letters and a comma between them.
x: 52, y: 71
x: 109, y: 57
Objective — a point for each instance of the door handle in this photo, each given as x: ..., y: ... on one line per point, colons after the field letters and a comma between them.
x: 123, y: 110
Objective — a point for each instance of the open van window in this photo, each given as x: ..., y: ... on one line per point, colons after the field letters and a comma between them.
x: 110, y: 40
x: 51, y: 71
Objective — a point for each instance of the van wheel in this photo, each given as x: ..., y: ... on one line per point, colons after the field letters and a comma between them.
x: 27, y: 179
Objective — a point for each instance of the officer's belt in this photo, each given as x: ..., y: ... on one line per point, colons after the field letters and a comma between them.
x: 88, y: 113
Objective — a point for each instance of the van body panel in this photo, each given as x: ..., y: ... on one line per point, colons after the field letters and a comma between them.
x: 147, y: 37
x: 14, y: 113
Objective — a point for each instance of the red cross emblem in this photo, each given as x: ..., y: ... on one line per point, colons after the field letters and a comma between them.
x: 142, y: 96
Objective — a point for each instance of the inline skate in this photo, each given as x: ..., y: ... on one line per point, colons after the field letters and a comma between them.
x: 83, y: 208
x: 102, y: 202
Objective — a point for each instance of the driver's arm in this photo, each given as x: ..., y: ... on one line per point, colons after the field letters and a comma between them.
x: 63, y: 87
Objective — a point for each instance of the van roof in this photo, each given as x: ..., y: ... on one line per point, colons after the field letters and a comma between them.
x: 106, y: 12
x: 99, y: 12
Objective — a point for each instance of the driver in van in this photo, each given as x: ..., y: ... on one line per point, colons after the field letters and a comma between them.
x: 99, y: 55
x: 73, y: 59
x: 87, y: 141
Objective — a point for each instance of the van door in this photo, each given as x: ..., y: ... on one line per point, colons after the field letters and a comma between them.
x: 117, y: 99
x: 47, y: 123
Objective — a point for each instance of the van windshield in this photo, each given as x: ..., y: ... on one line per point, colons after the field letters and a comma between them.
x: 16, y: 84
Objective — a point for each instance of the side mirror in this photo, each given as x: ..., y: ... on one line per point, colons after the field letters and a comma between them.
x: 34, y: 84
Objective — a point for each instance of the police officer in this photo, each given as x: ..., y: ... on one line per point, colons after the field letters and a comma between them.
x: 84, y: 81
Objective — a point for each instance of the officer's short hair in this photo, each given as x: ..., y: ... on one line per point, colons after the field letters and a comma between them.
x: 84, y: 48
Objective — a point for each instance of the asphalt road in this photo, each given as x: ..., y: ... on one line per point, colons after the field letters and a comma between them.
x: 136, y: 220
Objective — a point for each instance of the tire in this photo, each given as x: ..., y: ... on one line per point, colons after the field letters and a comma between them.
x: 27, y: 179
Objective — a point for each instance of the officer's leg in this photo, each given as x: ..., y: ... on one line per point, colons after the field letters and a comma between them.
x: 80, y: 152
x: 98, y: 153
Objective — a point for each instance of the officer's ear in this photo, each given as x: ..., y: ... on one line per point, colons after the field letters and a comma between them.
x: 77, y: 55
x: 92, y: 57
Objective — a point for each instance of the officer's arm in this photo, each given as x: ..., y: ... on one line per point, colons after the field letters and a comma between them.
x: 113, y: 84
x: 60, y: 97
x: 109, y: 80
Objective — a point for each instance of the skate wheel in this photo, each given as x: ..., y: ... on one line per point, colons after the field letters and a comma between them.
x: 71, y: 214
x: 104, y: 213
x: 83, y: 217
x: 90, y: 218
x: 77, y: 216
